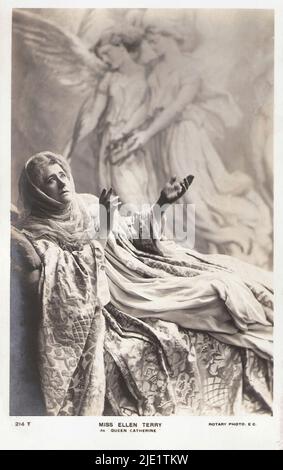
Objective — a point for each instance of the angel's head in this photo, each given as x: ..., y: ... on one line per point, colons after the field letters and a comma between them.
x: 161, y: 39
x: 118, y: 45
x: 167, y: 29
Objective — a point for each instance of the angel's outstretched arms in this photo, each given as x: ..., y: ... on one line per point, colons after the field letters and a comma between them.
x: 65, y: 56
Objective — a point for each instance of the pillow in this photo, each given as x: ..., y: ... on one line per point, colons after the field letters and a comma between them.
x: 22, y: 251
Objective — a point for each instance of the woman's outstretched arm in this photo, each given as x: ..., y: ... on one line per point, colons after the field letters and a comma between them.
x: 145, y: 227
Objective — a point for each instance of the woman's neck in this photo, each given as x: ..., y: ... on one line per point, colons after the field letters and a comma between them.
x: 128, y: 66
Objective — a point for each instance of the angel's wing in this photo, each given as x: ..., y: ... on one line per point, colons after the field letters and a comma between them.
x: 86, y: 122
x: 65, y: 56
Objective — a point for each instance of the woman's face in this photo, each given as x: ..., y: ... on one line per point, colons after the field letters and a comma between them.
x: 56, y: 184
x: 157, y: 43
x: 111, y: 55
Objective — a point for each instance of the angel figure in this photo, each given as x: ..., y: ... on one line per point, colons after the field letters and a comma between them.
x: 229, y: 212
x: 115, y: 96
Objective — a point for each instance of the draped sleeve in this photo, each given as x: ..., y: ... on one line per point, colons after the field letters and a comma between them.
x: 166, y: 87
x: 91, y: 204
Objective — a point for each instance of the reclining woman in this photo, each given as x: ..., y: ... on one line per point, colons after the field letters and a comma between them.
x: 139, y: 326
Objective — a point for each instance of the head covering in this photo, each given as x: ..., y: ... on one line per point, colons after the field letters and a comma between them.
x: 33, y: 198
x: 68, y: 224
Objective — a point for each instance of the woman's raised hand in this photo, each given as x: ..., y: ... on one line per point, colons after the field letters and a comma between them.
x: 174, y: 189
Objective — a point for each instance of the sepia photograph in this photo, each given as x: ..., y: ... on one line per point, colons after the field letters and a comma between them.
x: 142, y: 214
